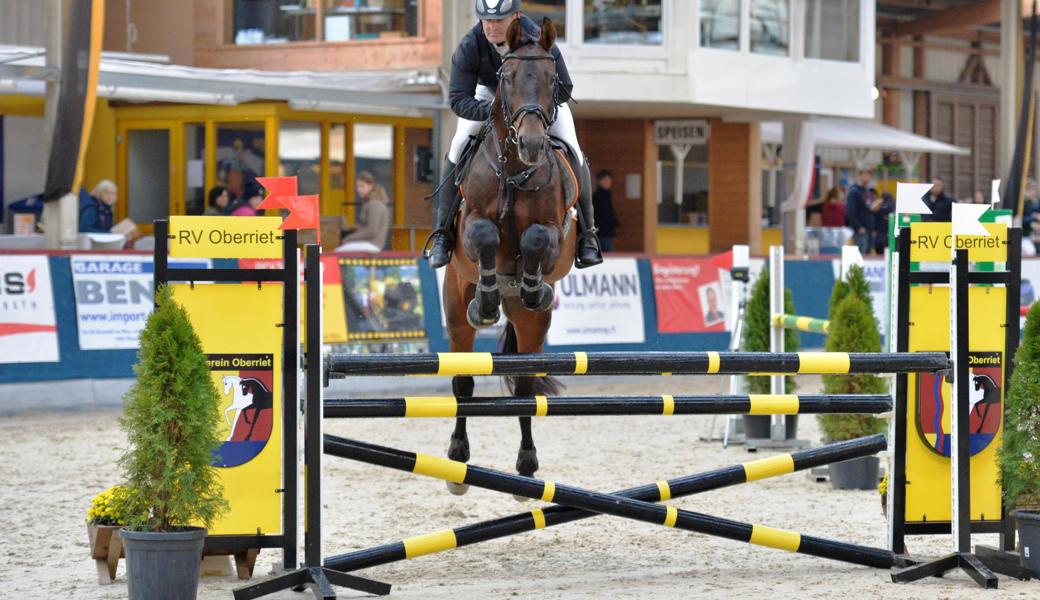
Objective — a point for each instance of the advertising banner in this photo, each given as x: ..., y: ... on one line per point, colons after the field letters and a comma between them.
x: 114, y: 297
x: 382, y: 299
x: 690, y: 295
x: 28, y: 329
x: 238, y: 327
x: 601, y: 305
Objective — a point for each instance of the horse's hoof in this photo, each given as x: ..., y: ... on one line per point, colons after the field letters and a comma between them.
x: 527, y: 462
x: 458, y: 449
x: 478, y: 320
x: 457, y: 489
x: 543, y: 301
x: 521, y: 498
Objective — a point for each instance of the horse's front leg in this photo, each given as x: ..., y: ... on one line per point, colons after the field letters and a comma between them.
x: 539, y: 249
x: 481, y: 242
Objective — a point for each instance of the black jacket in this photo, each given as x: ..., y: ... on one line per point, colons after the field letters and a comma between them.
x: 941, y: 207
x: 857, y: 211
x: 476, y: 61
x: 603, y: 208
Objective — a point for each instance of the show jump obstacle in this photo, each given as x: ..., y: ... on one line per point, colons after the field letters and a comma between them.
x: 569, y: 503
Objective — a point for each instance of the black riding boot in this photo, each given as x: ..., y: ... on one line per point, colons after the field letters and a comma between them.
x: 588, y: 253
x: 442, y: 239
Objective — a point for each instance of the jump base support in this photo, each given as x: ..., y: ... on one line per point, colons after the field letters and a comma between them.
x: 965, y: 561
x: 319, y: 579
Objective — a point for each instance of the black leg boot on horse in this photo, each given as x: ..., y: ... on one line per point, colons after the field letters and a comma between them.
x: 442, y: 239
x: 588, y: 253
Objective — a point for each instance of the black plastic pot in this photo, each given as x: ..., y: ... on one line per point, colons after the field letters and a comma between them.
x: 757, y: 427
x: 855, y: 474
x: 163, y: 566
x: 1028, y: 522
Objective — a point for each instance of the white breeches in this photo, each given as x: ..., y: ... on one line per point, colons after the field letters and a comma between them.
x: 562, y: 128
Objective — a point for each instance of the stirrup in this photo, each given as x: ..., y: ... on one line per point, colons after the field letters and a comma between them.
x: 590, y: 237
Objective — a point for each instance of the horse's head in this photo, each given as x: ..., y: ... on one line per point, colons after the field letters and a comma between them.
x: 527, y: 90
x: 229, y: 380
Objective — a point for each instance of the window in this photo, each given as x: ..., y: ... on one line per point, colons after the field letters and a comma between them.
x: 299, y: 155
x: 374, y: 154
x: 554, y: 9
x: 720, y: 24
x: 832, y: 29
x: 771, y: 27
x: 240, y: 155
x: 631, y: 22
x: 281, y: 21
x: 194, y: 168
x: 693, y: 209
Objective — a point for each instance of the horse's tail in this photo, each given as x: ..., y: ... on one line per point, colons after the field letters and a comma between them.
x: 534, y: 386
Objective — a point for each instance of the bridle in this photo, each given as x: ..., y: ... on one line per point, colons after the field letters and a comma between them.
x: 548, y: 117
x: 509, y: 184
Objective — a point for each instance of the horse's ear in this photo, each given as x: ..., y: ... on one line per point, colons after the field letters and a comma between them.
x: 548, y: 39
x: 515, y: 35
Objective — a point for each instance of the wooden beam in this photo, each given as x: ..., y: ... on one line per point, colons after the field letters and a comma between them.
x: 970, y: 15
x: 890, y: 98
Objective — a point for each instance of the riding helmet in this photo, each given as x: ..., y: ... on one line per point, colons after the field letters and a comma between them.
x: 497, y: 9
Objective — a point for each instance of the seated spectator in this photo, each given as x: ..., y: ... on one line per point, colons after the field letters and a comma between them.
x: 95, y: 210
x: 218, y: 202
x: 252, y: 196
x: 374, y: 220
x: 833, y: 209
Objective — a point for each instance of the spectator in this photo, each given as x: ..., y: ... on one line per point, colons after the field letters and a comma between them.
x: 95, y: 210
x: 939, y: 203
x: 832, y: 210
x: 978, y: 197
x: 374, y: 219
x: 857, y: 211
x: 1030, y: 209
x: 882, y: 208
x: 252, y: 196
x: 603, y: 207
x: 218, y: 202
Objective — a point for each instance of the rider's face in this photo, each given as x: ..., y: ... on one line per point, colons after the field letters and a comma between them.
x: 495, y: 30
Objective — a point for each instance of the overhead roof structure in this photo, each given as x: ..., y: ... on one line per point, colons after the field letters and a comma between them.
x: 24, y: 70
x: 863, y: 134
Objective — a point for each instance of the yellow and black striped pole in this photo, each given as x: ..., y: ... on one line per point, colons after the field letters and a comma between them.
x: 806, y: 324
x: 588, y: 501
x: 629, y: 363
x: 558, y: 515
x: 548, y: 406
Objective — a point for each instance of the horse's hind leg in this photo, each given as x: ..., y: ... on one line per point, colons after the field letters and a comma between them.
x: 481, y: 242
x: 460, y: 335
x: 458, y: 447
x: 538, y: 249
x: 530, y: 328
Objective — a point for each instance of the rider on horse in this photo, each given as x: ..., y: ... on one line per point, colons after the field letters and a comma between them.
x: 474, y: 80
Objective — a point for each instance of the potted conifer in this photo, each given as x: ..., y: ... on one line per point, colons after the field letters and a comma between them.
x: 1020, y: 453
x: 756, y: 339
x: 853, y: 328
x: 171, y: 419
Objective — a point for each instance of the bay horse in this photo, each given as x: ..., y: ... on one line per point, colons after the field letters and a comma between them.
x: 515, y: 232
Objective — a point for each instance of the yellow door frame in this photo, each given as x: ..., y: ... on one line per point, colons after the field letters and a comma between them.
x: 175, y: 151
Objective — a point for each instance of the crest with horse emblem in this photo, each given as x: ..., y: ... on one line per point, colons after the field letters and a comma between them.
x: 985, y: 405
x: 246, y: 385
